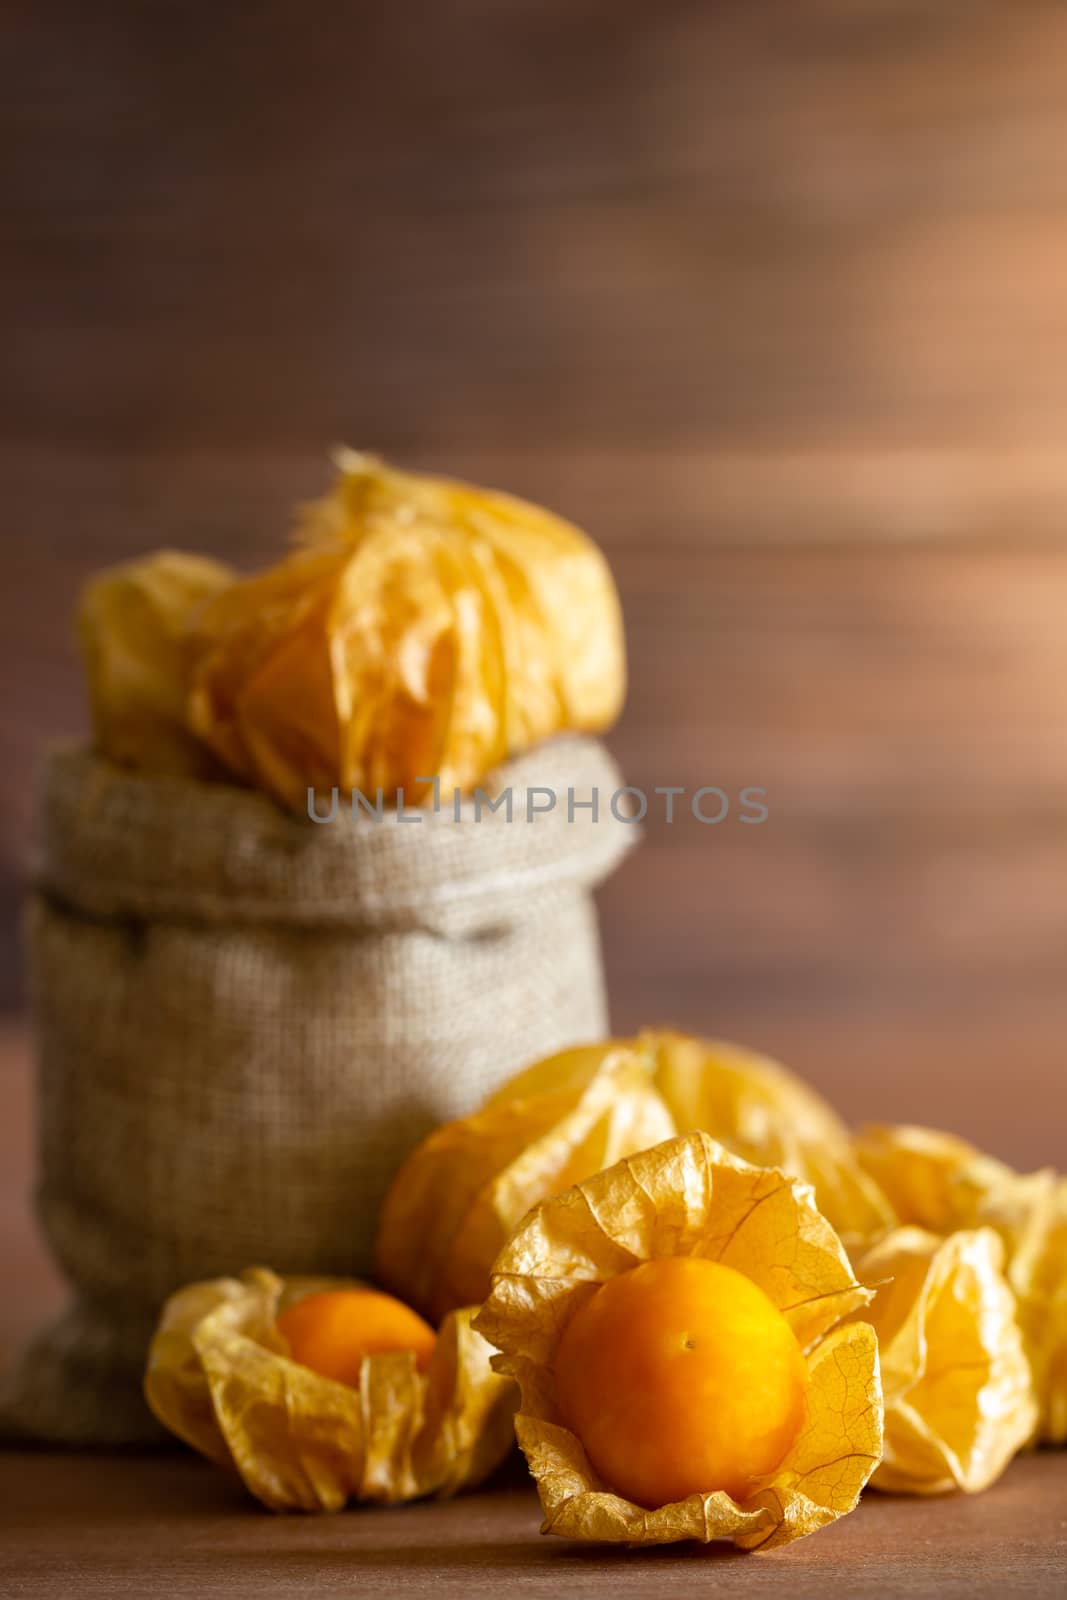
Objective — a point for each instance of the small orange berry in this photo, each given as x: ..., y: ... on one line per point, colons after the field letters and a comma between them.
x: 332, y: 1331
x: 681, y: 1377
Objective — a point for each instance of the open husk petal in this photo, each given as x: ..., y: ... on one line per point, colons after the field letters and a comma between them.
x: 455, y: 1201
x: 690, y: 1196
x: 219, y: 1377
x: 939, y: 1182
x: 765, y: 1113
x: 959, y: 1397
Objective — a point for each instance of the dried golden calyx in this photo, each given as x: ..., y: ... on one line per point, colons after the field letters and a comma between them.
x: 959, y: 1398
x: 424, y: 629
x: 455, y: 1201
x: 943, y: 1184
x: 768, y: 1115
x: 685, y: 1280
x: 134, y: 626
x: 223, y: 1376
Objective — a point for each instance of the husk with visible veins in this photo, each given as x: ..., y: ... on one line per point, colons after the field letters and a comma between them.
x: 134, y: 626
x: 454, y: 1202
x: 959, y: 1398
x: 753, y: 1105
x: 690, y: 1196
x: 939, y: 1182
x: 422, y: 629
x: 768, y: 1115
x: 220, y: 1378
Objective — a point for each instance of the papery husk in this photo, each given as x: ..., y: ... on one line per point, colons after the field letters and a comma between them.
x: 134, y: 623
x: 1044, y: 1315
x: 753, y: 1105
x: 425, y: 629
x: 769, y: 1116
x: 219, y: 1377
x: 959, y: 1397
x: 940, y: 1182
x: 690, y: 1196
x: 455, y: 1201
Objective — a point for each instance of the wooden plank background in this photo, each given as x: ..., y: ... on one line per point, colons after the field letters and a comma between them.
x: 769, y: 296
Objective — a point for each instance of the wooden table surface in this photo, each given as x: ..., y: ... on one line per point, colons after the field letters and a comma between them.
x: 116, y: 1526
x: 769, y: 297
x: 90, y: 1525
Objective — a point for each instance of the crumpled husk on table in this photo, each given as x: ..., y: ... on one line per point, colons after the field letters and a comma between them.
x: 940, y: 1182
x: 219, y: 1377
x: 690, y: 1196
x: 959, y: 1396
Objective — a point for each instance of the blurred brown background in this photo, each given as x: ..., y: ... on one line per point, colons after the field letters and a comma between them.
x: 770, y: 297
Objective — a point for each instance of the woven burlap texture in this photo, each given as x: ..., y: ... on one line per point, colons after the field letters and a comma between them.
x: 245, y: 1020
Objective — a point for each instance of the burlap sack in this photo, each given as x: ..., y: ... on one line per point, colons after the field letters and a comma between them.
x: 245, y: 1020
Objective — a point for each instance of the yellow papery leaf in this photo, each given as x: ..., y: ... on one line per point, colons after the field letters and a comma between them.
x: 456, y: 1199
x: 220, y: 1378
x: 1043, y: 1311
x: 690, y: 1197
x: 423, y: 629
x: 939, y: 1182
x: 772, y: 1118
x: 134, y: 626
x: 959, y: 1400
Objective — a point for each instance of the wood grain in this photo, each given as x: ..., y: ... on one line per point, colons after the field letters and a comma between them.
x: 101, y: 1526
x: 116, y: 1526
x: 767, y: 296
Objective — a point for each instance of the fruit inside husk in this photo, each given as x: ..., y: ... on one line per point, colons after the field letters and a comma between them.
x: 232, y: 1371
x: 681, y: 1377
x: 779, y: 1402
x: 333, y: 1331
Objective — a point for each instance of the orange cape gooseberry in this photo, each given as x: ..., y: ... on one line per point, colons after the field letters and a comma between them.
x: 332, y: 1331
x: 681, y: 1377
